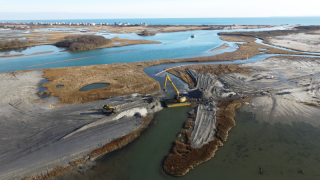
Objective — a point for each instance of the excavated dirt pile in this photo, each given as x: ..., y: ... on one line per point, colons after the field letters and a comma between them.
x: 210, y: 127
x: 207, y: 86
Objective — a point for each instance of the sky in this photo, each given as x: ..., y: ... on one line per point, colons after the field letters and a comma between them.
x: 116, y: 9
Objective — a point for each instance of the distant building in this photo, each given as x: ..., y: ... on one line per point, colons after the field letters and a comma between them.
x: 92, y: 24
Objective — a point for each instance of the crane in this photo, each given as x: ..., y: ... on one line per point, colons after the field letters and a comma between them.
x: 178, y: 100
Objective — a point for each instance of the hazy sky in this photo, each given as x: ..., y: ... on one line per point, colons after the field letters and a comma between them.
x: 108, y: 9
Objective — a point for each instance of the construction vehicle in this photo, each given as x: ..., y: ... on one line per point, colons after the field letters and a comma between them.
x: 178, y: 100
x: 108, y: 109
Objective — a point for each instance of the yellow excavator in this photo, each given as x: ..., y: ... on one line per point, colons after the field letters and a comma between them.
x: 108, y: 109
x: 178, y: 100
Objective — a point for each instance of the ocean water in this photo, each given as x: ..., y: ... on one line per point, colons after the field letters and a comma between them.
x: 193, y: 21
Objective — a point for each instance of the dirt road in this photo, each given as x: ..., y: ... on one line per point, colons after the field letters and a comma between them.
x: 35, y: 138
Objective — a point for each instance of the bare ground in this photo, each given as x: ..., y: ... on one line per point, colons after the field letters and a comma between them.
x: 36, y: 137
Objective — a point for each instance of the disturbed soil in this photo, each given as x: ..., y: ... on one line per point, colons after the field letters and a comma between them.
x: 109, y: 147
x: 302, y: 38
x: 286, y: 89
x: 281, y: 89
x: 220, y: 69
x: 212, y: 121
x: 184, y: 157
x: 300, y: 42
x: 38, y: 138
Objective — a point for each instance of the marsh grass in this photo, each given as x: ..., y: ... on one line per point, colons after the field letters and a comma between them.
x: 184, y: 157
x: 14, y: 43
x: 82, y: 42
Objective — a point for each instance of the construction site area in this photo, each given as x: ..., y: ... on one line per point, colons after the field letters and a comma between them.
x: 54, y: 120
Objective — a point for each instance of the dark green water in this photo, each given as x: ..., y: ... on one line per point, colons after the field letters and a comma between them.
x: 280, y: 150
x: 94, y: 86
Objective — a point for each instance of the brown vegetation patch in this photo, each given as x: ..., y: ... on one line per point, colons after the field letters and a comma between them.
x: 11, y: 55
x: 15, y: 43
x: 184, y: 157
x: 82, y: 42
x: 238, y: 38
x: 189, y: 124
x: 123, y: 79
x: 127, y: 42
x: 57, y: 170
x: 225, y: 116
x: 45, y: 37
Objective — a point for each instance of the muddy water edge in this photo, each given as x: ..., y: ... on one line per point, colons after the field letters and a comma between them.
x: 254, y: 150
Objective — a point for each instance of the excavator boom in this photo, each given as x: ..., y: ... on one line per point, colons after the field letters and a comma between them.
x: 165, y: 84
x: 178, y: 101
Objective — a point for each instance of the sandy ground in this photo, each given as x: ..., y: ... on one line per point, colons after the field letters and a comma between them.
x: 300, y: 42
x: 35, y: 138
x: 283, y: 90
x: 223, y: 46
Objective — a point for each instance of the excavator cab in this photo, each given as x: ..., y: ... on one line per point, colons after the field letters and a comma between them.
x: 107, y: 109
x: 180, y: 98
x: 177, y: 99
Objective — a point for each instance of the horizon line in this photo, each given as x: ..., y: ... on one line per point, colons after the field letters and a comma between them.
x: 166, y: 18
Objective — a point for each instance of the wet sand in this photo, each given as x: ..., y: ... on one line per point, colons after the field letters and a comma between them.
x: 300, y: 42
x: 223, y: 46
